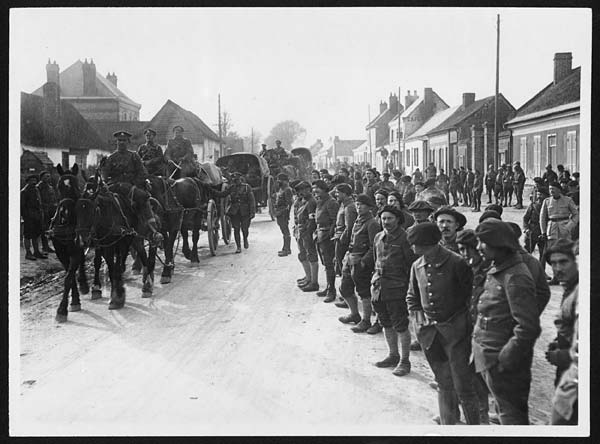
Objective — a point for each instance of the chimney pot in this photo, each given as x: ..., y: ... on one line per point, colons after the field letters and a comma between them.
x: 562, y: 65
x: 468, y: 99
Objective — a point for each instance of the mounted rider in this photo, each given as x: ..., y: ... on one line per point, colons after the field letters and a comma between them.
x: 275, y: 157
x: 152, y: 154
x: 179, y: 151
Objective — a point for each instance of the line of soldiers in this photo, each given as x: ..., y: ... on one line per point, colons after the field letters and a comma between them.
x: 38, y: 205
x: 472, y: 298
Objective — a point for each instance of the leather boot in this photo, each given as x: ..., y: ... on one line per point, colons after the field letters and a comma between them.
x: 470, y: 408
x: 331, y: 293
x: 306, y: 279
x: 392, y: 359
x: 447, y: 403
x: 365, y: 323
x: 286, y: 244
x: 354, y: 316
x: 313, y: 285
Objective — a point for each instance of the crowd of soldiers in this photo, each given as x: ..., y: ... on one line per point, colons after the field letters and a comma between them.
x: 469, y: 298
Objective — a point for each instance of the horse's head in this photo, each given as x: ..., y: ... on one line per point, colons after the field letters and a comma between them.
x: 142, y: 203
x: 68, y: 183
x: 85, y: 213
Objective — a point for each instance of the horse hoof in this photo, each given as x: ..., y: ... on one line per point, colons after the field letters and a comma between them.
x: 165, y: 279
x: 76, y: 307
x: 61, y: 317
x: 96, y: 294
x: 115, y: 305
x: 146, y: 294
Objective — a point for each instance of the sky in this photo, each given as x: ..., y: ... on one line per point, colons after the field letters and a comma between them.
x: 326, y: 68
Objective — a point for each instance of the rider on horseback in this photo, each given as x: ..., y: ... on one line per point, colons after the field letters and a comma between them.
x: 179, y: 151
x: 152, y: 154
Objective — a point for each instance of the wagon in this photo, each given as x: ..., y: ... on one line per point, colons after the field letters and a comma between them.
x: 256, y: 174
x: 304, y: 157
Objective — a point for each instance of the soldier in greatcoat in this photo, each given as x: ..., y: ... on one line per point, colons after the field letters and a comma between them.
x: 242, y: 209
x: 152, y: 154
x: 346, y: 217
x: 124, y: 165
x: 179, y: 152
x: 49, y: 202
x: 31, y: 213
x: 307, y: 249
x: 283, y: 203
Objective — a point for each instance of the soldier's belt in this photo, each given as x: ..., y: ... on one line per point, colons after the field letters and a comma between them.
x: 558, y: 219
x: 323, y: 228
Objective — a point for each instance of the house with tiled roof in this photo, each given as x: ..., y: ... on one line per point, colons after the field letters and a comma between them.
x: 205, y: 142
x: 545, y: 130
x: 378, y: 131
x: 95, y: 97
x: 339, y: 151
x: 466, y: 137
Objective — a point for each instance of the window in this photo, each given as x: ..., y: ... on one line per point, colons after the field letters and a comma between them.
x: 391, y: 135
x: 65, y: 160
x: 408, y: 157
x: 551, y: 150
x: 572, y: 163
x: 416, y: 156
x: 537, y: 155
x: 397, y: 135
x: 81, y: 160
x: 523, y: 152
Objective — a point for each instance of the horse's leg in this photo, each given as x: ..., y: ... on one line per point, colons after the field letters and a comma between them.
x: 62, y: 312
x: 136, y: 267
x: 84, y: 288
x: 149, y: 284
x: 97, y: 286
x: 169, y: 259
x: 195, y: 237
x: 138, y: 245
x: 73, y: 267
x: 109, y: 257
x: 185, y: 249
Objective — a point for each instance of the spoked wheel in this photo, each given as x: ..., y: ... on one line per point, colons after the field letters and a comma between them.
x: 225, y: 222
x: 212, y: 226
x: 271, y: 196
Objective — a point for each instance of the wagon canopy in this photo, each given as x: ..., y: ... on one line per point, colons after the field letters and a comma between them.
x: 304, y: 153
x: 244, y: 163
x: 212, y: 173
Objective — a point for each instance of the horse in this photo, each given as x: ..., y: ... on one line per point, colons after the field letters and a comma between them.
x: 62, y: 233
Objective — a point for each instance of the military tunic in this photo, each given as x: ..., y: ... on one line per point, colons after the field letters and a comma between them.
x: 346, y: 217
x: 284, y: 199
x: 124, y: 166
x: 48, y: 201
x: 307, y: 250
x: 325, y: 217
x: 557, y: 218
x: 31, y: 212
x: 152, y: 156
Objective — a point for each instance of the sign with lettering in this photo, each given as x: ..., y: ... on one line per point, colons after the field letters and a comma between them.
x: 453, y: 137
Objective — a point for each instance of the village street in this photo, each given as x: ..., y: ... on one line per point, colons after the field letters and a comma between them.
x: 231, y: 346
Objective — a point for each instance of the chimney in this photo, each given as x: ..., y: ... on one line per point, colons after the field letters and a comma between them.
x: 468, y: 99
x: 393, y: 103
x: 428, y: 95
x: 89, y: 79
x: 52, y: 72
x: 112, y: 78
x: 382, y: 106
x: 409, y: 99
x: 562, y: 65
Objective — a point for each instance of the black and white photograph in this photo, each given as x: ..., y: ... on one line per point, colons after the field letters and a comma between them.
x: 299, y: 221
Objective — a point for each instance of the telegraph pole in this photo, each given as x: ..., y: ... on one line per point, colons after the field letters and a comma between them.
x: 252, y: 141
x: 496, y: 151
x: 220, y: 130
x: 369, y: 132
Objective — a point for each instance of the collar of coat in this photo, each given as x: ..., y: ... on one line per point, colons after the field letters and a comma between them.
x: 514, y: 259
x: 439, y: 257
x: 392, y: 235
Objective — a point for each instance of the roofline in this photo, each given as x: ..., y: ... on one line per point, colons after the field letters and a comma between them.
x: 118, y: 98
x: 544, y: 113
x: 540, y: 92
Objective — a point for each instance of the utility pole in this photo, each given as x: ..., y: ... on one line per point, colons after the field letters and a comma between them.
x: 252, y: 140
x: 496, y: 151
x: 369, y: 132
x: 220, y: 130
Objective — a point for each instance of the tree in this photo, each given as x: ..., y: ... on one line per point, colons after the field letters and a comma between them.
x: 288, y: 131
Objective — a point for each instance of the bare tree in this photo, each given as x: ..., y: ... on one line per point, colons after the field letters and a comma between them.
x: 288, y: 131
x: 252, y: 142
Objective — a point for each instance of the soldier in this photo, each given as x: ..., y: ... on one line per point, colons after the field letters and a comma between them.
x: 462, y: 181
x: 507, y: 323
x: 279, y: 151
x: 450, y: 222
x: 432, y: 194
x: 498, y: 190
x: 531, y: 224
x: 242, y: 209
x: 358, y: 265
x: 468, y: 186
x: 395, y: 200
x: 477, y: 191
x: 408, y: 195
x: 430, y: 171
x: 549, y: 176
x: 573, y: 191
x: 386, y: 183
x: 263, y: 150
x: 49, y: 203
x: 314, y: 175
x: 381, y: 197
x: 417, y: 176
x: 124, y: 165
x: 518, y: 184
x: 437, y: 300
x: 152, y: 154
x: 454, y: 186
x: 507, y: 186
x: 179, y: 151
x: 421, y: 211
x: 558, y: 216
x: 393, y: 259
x: 358, y: 183
x: 307, y: 250
x: 490, y: 181
x: 31, y: 212
x: 325, y: 216
x: 443, y: 182
x: 283, y: 203
x: 419, y: 187
x: 372, y: 184
x: 346, y: 217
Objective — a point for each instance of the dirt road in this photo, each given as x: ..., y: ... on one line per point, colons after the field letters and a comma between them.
x: 231, y: 346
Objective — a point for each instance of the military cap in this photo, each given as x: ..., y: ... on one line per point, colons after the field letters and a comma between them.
x: 386, y: 174
x: 429, y: 182
x: 321, y: 185
x: 437, y: 200
x: 178, y: 126
x: 283, y: 176
x: 33, y: 176
x: 121, y: 135
x: 278, y: 141
x: 337, y: 179
x: 395, y: 211
x: 302, y: 185
x: 538, y: 179
x: 467, y: 237
x: 344, y: 170
x: 497, y: 234
x: 563, y: 246
x: 555, y: 185
x: 236, y: 174
x: 543, y: 190
x: 324, y: 171
x: 406, y: 179
x: 294, y: 182
x: 516, y: 162
x: 382, y: 191
x: 43, y: 173
x: 398, y: 196
x: 426, y: 233
x: 396, y: 173
x: 549, y: 166
x: 263, y: 144
x: 365, y: 200
x: 516, y: 229
x: 344, y: 188
x: 420, y: 182
x: 327, y: 176
x: 460, y: 218
x: 487, y: 214
x: 149, y: 130
x: 495, y: 207
x: 571, y: 183
x: 420, y: 205
x: 372, y: 170
x: 575, y: 174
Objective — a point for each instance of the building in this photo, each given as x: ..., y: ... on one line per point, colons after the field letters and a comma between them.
x: 95, y: 97
x: 545, y: 130
x: 339, y: 151
x: 205, y: 142
x: 361, y: 154
x: 466, y: 138
x: 378, y: 132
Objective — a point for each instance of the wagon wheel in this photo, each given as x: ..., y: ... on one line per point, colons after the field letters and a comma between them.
x: 212, y: 227
x: 225, y: 221
x: 270, y: 196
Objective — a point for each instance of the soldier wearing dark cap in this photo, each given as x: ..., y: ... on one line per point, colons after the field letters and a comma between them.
x: 152, y: 154
x: 531, y: 224
x: 421, y: 211
x: 462, y: 182
x: 307, y: 249
x: 417, y: 176
x: 490, y: 180
x: 432, y: 194
x: 395, y: 200
x: 124, y: 165
x: 242, y: 209
x: 454, y: 187
x: 477, y: 191
x: 468, y: 187
x: 33, y: 218
x: 507, y: 322
x: 346, y: 217
x: 519, y: 184
x: 49, y: 202
x: 431, y: 172
x: 393, y: 259
x: 437, y: 300
x: 487, y: 214
x: 495, y: 207
x: 372, y: 184
x: 358, y: 265
x: 549, y: 176
x: 408, y: 193
x: 450, y: 222
x: 283, y: 203
x: 386, y: 183
x: 325, y: 216
x: 179, y: 151
x: 442, y: 182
